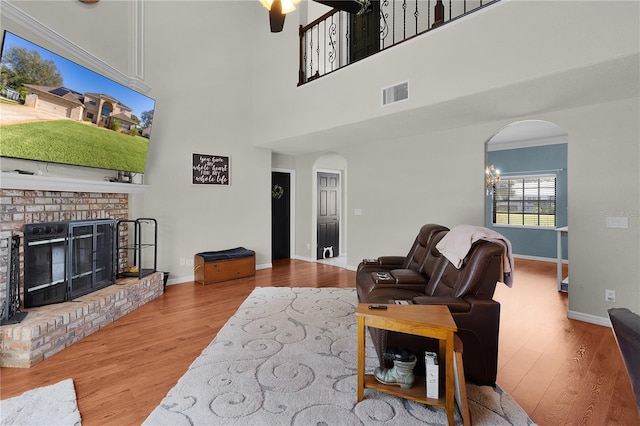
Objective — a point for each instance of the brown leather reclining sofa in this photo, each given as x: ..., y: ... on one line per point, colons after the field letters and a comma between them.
x: 426, y: 277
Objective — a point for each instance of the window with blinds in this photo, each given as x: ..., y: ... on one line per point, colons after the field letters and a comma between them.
x: 525, y: 201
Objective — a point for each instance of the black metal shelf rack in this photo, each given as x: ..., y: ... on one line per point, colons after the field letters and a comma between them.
x: 142, y: 253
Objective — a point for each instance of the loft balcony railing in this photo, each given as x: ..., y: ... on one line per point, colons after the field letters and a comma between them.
x: 338, y: 38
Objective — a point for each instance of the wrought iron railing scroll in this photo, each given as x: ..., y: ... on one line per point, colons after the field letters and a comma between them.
x: 326, y: 44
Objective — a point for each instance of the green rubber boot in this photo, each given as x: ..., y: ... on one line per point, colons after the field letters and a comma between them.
x: 400, y: 375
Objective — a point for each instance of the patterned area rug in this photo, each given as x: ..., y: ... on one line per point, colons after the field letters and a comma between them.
x: 288, y: 357
x: 49, y: 405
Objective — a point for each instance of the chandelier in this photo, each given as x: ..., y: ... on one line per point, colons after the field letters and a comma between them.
x: 492, y: 176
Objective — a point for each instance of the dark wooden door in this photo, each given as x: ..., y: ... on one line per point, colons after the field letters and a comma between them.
x: 280, y: 215
x: 328, y: 215
x: 365, y: 33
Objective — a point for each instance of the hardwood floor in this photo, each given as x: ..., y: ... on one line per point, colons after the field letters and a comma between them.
x: 561, y: 371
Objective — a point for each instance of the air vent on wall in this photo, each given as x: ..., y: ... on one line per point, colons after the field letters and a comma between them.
x: 396, y: 93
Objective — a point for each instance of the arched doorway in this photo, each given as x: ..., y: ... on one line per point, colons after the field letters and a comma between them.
x: 329, y: 206
x: 528, y: 204
x: 105, y: 114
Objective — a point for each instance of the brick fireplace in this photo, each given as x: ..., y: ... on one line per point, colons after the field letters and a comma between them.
x: 19, y: 207
x: 48, y: 329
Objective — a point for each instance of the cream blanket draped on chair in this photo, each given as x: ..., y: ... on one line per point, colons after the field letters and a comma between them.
x: 456, y: 244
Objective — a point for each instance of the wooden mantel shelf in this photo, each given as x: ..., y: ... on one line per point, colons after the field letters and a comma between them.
x: 52, y: 183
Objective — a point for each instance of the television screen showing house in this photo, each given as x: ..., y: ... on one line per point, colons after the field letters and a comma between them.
x: 54, y: 110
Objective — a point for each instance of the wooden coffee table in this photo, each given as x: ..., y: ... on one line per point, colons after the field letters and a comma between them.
x: 433, y: 321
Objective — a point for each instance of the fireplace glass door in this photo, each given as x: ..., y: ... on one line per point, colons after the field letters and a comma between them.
x: 66, y: 260
x: 91, y: 246
x: 45, y: 267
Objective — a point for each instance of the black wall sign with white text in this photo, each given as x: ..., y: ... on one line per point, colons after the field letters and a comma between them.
x: 210, y: 169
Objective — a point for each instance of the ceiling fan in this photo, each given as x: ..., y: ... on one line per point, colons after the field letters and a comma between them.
x: 279, y: 8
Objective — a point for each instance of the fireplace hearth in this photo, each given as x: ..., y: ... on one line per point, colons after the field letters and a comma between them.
x: 66, y: 260
x: 50, y: 329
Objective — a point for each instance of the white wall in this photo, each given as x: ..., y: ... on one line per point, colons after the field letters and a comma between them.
x: 440, y: 180
x: 406, y: 183
x: 199, y: 68
x: 534, y: 60
x: 505, y: 44
x: 603, y: 137
x: 438, y: 177
x: 224, y: 85
x: 201, y: 73
x: 305, y: 207
x: 282, y: 161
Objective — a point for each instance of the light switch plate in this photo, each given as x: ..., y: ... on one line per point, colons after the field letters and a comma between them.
x: 620, y: 222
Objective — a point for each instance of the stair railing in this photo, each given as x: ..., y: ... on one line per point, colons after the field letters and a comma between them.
x: 326, y: 44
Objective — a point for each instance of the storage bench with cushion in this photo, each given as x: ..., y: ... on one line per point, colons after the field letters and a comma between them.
x: 214, y: 266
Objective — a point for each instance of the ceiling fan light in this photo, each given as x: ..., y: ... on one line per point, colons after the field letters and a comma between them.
x: 266, y: 3
x: 288, y: 6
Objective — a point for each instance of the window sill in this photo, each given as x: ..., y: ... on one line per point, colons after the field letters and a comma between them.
x: 536, y: 228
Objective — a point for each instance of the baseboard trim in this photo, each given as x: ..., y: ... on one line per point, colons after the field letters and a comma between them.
x: 180, y: 280
x: 306, y: 259
x: 539, y: 259
x: 592, y: 319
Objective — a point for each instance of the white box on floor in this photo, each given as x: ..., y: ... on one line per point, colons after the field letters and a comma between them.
x: 431, y: 374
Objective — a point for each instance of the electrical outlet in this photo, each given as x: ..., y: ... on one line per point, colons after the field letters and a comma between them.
x: 610, y: 295
x: 183, y: 261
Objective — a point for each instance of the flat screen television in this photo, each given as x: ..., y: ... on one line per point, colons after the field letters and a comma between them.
x: 56, y: 111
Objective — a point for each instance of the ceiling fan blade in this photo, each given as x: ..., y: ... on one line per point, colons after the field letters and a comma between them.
x: 350, y: 6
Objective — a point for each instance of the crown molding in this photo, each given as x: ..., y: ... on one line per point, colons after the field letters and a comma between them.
x: 15, y: 14
x: 526, y: 143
